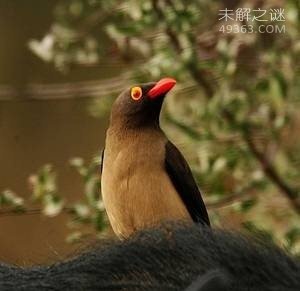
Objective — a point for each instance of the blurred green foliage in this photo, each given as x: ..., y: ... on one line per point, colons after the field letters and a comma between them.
x: 234, y: 114
x: 44, y: 194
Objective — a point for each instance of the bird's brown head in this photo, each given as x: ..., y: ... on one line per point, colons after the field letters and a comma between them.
x: 140, y: 105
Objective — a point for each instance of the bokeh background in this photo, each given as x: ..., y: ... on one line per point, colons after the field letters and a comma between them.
x: 234, y: 113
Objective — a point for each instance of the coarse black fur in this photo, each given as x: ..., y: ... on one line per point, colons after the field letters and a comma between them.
x: 173, y: 257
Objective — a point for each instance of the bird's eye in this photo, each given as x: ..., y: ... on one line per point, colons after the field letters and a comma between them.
x: 136, y: 93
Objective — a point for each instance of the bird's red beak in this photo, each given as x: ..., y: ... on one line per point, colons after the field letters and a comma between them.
x: 161, y: 87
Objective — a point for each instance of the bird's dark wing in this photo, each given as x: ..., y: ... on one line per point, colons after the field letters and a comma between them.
x: 183, y: 181
x: 101, y: 161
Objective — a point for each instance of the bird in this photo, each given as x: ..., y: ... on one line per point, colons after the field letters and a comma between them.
x: 145, y: 180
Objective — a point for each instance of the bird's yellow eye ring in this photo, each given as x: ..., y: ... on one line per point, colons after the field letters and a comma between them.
x: 136, y: 93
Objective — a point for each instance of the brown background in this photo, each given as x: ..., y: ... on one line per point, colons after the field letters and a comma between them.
x: 33, y: 133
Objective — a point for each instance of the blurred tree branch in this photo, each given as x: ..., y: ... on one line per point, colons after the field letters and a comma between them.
x: 271, y: 172
x: 198, y: 76
x: 195, y: 71
x: 235, y: 197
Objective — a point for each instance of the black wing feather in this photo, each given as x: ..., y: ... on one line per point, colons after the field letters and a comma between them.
x: 101, y: 162
x: 183, y: 181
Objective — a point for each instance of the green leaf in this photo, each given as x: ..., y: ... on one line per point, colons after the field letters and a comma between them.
x: 246, y: 205
x: 293, y: 236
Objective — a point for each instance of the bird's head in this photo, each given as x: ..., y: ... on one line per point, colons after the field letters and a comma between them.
x: 140, y: 105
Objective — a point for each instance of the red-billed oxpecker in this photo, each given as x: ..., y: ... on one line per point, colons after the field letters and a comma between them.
x: 145, y: 179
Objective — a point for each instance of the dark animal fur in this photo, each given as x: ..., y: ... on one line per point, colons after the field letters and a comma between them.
x: 174, y: 257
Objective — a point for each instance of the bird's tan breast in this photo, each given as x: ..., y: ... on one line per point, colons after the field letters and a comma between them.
x: 136, y: 190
